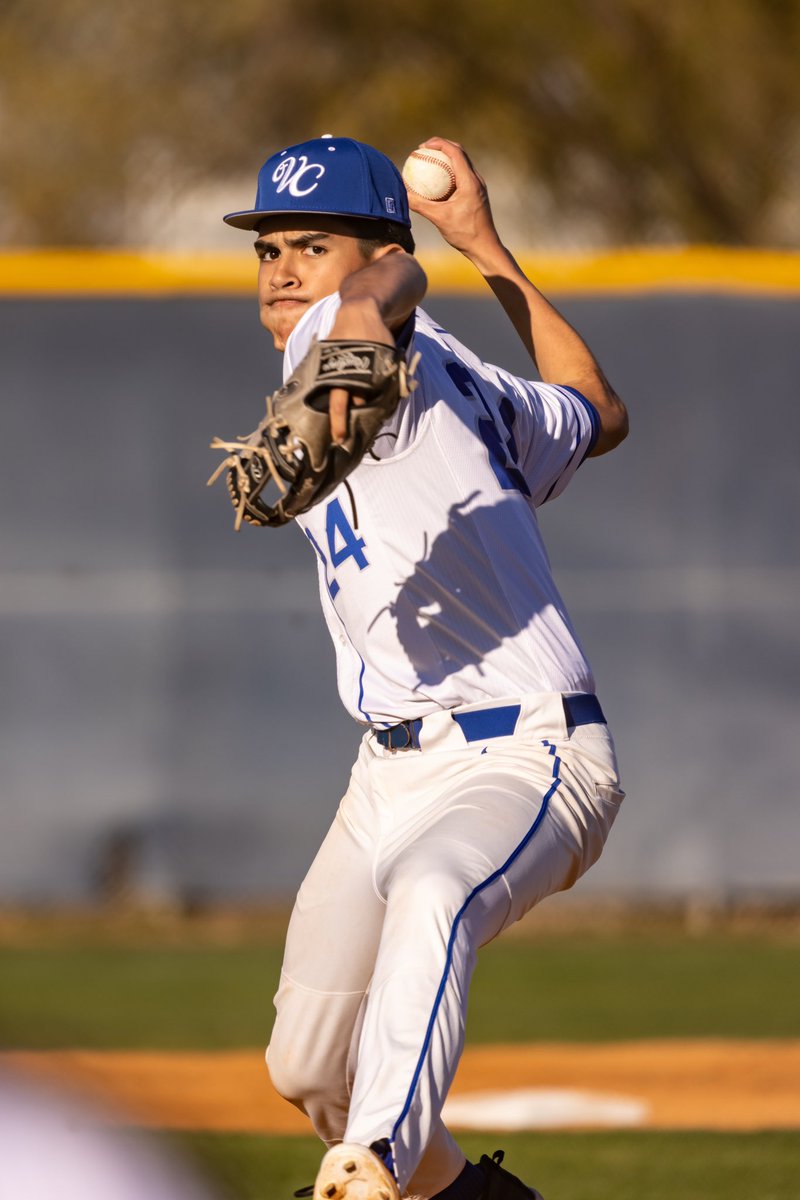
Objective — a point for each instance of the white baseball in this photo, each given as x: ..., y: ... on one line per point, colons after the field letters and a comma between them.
x: 430, y: 174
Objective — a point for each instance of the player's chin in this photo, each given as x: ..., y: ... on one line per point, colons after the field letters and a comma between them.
x: 280, y: 319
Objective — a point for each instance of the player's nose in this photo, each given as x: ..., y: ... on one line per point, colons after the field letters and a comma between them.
x: 284, y: 274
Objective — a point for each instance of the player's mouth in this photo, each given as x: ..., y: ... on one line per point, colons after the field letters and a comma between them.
x: 285, y: 301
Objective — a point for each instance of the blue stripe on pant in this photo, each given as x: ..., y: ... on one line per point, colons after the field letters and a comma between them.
x: 454, y: 932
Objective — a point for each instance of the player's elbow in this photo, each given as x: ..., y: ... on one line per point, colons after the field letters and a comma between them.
x: 617, y: 424
x: 614, y: 424
x: 416, y: 279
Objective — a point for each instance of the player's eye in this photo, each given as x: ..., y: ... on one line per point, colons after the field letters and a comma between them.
x: 267, y: 253
x: 315, y: 251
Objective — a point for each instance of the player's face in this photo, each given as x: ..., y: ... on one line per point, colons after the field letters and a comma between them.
x: 300, y: 265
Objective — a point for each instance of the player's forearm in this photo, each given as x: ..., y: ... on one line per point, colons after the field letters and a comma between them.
x: 384, y: 293
x: 557, y: 350
x: 376, y: 302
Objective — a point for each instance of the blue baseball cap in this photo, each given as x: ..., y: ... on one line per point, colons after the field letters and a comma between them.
x: 335, y: 176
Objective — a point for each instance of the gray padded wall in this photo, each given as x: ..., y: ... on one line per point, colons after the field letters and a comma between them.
x: 169, y: 707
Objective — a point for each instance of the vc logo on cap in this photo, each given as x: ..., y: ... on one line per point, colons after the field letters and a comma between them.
x: 293, y: 173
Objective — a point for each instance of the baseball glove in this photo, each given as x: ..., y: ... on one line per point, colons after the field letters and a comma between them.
x: 292, y: 445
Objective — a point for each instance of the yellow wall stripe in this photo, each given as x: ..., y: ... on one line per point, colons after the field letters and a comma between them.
x: 73, y: 273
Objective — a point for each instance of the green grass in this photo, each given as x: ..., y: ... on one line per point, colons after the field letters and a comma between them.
x: 132, y: 997
x: 636, y: 987
x: 200, y: 995
x: 564, y: 1166
x: 213, y: 997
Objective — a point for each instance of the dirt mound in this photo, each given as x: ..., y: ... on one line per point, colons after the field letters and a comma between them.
x: 670, y: 1084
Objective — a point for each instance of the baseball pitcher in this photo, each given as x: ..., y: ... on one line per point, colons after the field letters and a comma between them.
x: 486, y: 778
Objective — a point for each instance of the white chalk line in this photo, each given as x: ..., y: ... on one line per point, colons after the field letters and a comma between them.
x: 543, y: 1108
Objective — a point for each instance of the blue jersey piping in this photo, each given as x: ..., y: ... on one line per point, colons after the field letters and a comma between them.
x: 594, y: 418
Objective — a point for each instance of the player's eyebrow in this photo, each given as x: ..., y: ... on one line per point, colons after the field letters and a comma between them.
x: 305, y: 239
x: 297, y: 241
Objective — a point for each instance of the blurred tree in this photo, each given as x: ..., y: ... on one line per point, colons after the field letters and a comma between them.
x: 665, y: 121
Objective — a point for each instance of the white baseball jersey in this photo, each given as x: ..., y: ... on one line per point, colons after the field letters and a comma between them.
x: 434, y: 579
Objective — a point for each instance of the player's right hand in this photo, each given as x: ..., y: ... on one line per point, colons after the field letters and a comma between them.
x: 465, y: 219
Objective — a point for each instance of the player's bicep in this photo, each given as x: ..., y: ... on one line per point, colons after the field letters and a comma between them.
x: 562, y: 428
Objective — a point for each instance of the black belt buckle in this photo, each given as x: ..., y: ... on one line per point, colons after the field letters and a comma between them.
x: 404, y: 736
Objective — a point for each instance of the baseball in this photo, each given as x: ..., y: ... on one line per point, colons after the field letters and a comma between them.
x: 430, y: 174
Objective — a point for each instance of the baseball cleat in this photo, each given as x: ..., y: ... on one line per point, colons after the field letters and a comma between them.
x: 351, y: 1172
x: 501, y: 1184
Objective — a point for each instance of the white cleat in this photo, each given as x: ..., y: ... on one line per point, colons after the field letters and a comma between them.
x: 351, y: 1172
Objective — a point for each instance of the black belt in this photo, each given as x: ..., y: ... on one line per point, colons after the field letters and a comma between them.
x: 484, y: 723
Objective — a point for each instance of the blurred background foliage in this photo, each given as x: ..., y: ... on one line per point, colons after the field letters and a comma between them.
x: 608, y: 121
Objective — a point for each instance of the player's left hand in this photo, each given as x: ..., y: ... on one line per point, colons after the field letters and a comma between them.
x: 465, y: 219
x: 292, y: 446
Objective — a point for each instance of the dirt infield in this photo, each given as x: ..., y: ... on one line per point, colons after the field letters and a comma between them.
x: 734, y: 1085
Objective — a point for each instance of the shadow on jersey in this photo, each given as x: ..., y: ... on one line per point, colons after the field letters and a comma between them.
x: 453, y: 611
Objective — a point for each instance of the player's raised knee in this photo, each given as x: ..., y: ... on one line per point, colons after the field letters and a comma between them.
x: 299, y: 1077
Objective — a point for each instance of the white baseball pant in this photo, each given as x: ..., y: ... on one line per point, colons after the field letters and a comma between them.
x: 433, y: 852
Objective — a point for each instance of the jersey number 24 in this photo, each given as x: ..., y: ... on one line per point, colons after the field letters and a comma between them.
x: 342, y: 543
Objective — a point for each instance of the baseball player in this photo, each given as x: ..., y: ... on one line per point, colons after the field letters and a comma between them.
x: 486, y: 777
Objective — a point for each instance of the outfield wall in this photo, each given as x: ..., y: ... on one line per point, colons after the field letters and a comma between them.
x: 169, y: 715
